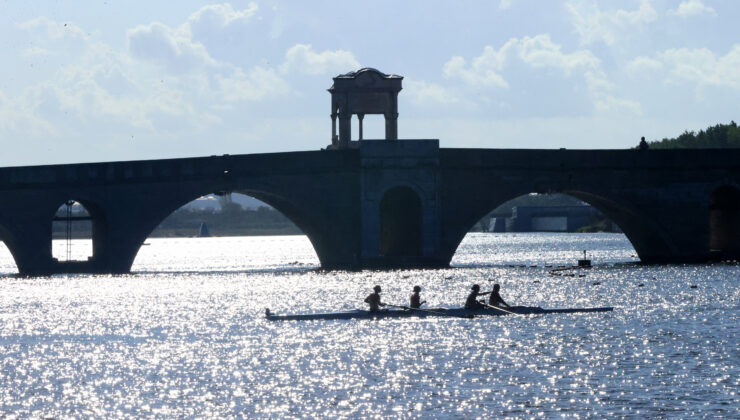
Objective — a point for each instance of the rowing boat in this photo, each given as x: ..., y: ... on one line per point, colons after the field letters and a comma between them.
x: 432, y: 312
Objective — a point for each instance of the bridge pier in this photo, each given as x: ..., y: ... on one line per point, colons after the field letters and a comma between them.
x: 399, y: 204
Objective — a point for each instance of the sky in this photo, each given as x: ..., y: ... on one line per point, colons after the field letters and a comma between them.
x: 92, y: 81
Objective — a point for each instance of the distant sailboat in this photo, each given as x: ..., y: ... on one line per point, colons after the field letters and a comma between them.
x: 203, y: 231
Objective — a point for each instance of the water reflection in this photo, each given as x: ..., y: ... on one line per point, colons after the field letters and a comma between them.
x: 184, y: 336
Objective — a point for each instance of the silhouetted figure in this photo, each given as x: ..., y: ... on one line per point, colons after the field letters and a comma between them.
x: 495, y: 299
x: 643, y: 144
x: 472, y: 301
x: 415, y: 301
x: 373, y: 299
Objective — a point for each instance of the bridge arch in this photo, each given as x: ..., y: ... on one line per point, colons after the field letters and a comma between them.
x: 279, y: 203
x: 724, y: 222
x: 400, y: 213
x: 70, y: 215
x: 642, y: 230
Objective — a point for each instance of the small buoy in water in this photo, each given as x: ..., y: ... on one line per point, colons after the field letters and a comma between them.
x: 596, y: 283
x: 585, y: 262
x: 693, y: 286
x: 548, y: 266
x: 641, y: 285
x: 536, y: 281
x: 581, y: 275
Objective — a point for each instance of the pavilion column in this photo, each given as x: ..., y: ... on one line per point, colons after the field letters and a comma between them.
x: 345, y: 129
x: 391, y: 126
x: 360, y: 117
x: 334, y: 128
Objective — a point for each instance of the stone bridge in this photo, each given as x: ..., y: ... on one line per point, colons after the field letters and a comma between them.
x: 382, y: 204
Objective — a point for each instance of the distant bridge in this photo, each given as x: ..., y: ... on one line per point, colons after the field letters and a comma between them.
x: 383, y: 204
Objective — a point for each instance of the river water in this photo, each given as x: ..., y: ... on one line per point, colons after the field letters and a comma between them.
x: 184, y: 336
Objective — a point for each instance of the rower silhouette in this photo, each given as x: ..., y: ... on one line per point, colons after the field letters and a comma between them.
x: 495, y: 299
x: 373, y: 299
x: 472, y: 301
x: 415, y: 301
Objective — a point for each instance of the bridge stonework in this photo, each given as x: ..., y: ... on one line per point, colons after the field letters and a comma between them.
x: 384, y: 204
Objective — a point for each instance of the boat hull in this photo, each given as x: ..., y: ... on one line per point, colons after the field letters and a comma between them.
x: 432, y: 312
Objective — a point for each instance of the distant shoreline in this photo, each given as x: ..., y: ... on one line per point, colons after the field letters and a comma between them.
x: 193, y: 233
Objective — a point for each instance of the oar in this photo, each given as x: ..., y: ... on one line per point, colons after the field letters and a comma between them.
x: 499, y: 309
x: 428, y: 310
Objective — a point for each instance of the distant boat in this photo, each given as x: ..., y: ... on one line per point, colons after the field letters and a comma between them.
x: 203, y: 231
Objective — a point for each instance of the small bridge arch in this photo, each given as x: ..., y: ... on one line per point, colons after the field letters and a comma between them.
x: 724, y: 221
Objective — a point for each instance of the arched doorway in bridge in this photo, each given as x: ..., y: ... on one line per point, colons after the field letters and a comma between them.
x: 225, y: 232
x: 72, y: 232
x: 724, y: 221
x: 400, y: 223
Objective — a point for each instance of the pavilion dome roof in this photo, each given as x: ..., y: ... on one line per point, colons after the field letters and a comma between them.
x: 357, y: 73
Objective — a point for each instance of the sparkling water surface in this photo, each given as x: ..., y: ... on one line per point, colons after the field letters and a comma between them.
x: 185, y: 336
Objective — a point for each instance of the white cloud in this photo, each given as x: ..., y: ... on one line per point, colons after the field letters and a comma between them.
x: 254, y: 85
x: 702, y: 67
x: 692, y: 8
x: 52, y: 29
x: 105, y: 86
x: 172, y: 47
x: 424, y: 93
x: 483, y: 70
x: 594, y: 25
x: 303, y: 59
x: 180, y: 48
x: 128, y: 87
x: 643, y: 66
x: 222, y: 15
x: 538, y: 52
x: 17, y: 117
x: 505, y: 4
x: 36, y: 52
x: 708, y: 73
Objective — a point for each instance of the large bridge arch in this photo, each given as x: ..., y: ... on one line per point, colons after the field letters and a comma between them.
x: 646, y: 235
x: 297, y: 213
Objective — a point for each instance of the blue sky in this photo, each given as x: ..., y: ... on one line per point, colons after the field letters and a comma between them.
x: 114, y: 80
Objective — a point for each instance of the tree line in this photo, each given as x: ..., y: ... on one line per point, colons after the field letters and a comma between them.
x: 720, y: 136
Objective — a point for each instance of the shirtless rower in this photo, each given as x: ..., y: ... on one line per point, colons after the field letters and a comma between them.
x: 373, y: 300
x: 472, y: 301
x: 495, y: 299
x: 415, y: 301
